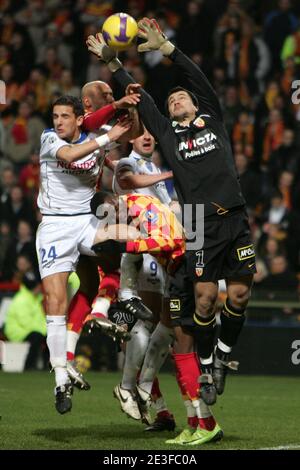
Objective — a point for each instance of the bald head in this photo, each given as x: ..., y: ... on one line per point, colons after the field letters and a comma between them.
x: 95, y: 95
x: 90, y: 86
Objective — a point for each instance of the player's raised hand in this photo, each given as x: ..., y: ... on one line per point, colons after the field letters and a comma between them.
x: 98, y: 46
x: 155, y: 38
x: 133, y: 88
x: 128, y: 101
x: 120, y: 128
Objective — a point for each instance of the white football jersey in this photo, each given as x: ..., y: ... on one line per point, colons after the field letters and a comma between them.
x: 67, y: 188
x: 141, y: 166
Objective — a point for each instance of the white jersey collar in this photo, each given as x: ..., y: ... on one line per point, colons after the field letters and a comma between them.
x: 137, y: 156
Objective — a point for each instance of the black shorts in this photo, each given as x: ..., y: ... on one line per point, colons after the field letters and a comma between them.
x: 227, y: 253
x: 182, y: 298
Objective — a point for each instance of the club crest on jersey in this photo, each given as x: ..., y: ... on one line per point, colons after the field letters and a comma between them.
x: 199, y: 272
x: 151, y: 216
x: 199, y: 122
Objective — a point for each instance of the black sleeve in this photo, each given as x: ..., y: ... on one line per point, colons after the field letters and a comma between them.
x: 200, y: 85
x: 156, y: 123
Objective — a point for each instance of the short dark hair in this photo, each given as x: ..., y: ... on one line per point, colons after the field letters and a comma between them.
x: 68, y: 100
x: 97, y: 200
x: 180, y: 88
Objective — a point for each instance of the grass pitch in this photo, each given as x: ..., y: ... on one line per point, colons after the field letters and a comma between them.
x: 254, y: 412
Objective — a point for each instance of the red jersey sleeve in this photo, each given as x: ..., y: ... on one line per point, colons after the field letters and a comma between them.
x: 93, y: 121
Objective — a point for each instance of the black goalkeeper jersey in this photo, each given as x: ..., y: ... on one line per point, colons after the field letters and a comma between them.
x: 199, y: 155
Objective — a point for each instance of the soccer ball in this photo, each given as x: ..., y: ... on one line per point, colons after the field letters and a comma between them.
x: 119, y: 31
x: 83, y: 363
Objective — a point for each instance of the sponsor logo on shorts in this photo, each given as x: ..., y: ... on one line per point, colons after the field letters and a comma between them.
x: 175, y: 305
x: 48, y: 264
x: 245, y: 252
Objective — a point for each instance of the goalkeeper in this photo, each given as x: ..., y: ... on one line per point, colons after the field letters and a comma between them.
x: 196, y: 147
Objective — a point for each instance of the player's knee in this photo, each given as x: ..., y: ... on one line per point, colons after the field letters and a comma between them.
x: 184, y: 343
x: 240, y: 297
x: 56, y: 303
x: 205, y: 304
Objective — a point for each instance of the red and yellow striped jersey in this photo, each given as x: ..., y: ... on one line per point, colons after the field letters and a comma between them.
x: 161, y: 233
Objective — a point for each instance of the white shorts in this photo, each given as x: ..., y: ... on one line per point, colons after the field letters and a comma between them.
x: 152, y: 276
x: 60, y: 240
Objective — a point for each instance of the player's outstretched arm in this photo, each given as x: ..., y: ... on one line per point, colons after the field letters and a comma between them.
x: 136, y: 129
x: 71, y: 153
x: 129, y: 180
x: 154, y: 121
x: 98, y: 118
x: 155, y: 39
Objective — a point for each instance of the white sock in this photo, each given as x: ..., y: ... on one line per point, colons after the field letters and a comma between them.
x: 129, y: 275
x: 101, y: 305
x: 156, y: 355
x: 201, y: 409
x: 223, y: 347
x: 207, y: 360
x: 196, y: 406
x: 57, y: 345
x: 204, y: 409
x: 72, y: 339
x: 190, y: 410
x: 160, y: 405
x: 135, y: 352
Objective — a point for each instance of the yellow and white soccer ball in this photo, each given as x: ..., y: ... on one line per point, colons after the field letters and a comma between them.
x: 83, y: 363
x: 119, y: 31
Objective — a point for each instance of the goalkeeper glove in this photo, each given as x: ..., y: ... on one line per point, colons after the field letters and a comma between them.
x: 97, y: 46
x: 155, y: 38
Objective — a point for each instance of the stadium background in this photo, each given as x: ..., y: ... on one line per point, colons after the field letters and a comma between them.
x: 250, y: 50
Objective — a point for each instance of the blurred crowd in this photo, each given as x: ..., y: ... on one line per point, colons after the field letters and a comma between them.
x: 249, y: 49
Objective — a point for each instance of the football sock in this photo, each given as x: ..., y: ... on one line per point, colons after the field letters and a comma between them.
x: 223, y: 347
x: 135, y: 352
x: 232, y: 320
x: 187, y: 374
x: 72, y: 339
x: 109, y: 285
x: 160, y: 406
x: 192, y: 418
x: 130, y: 266
x: 56, y: 342
x: 205, y: 333
x: 157, y: 352
x: 78, y: 309
x: 100, y: 306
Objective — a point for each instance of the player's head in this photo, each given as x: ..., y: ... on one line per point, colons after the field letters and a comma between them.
x: 144, y: 144
x: 182, y: 104
x: 95, y: 95
x: 104, y: 205
x: 67, y: 114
